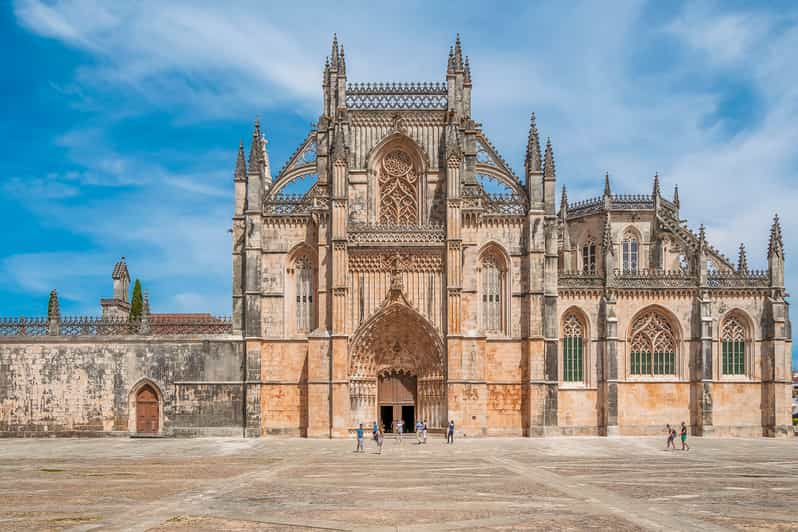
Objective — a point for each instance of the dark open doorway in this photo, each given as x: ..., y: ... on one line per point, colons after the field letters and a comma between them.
x: 408, y: 416
x: 386, y: 417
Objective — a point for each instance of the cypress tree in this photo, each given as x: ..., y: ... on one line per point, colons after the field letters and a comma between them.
x: 137, y: 303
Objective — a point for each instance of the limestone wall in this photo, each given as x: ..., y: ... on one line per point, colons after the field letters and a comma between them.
x: 86, y: 386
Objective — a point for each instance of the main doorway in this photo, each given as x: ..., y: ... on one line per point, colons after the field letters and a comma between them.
x: 147, y: 411
x: 396, y: 396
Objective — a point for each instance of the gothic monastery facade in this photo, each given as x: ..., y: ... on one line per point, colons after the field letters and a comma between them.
x: 416, y: 276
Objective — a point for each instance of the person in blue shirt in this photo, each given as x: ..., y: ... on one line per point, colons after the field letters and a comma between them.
x: 419, y: 431
x: 450, y: 432
x: 359, y: 448
x: 374, y: 430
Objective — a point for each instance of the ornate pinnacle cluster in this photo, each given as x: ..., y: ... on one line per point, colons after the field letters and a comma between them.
x: 532, y: 162
x: 53, y: 307
x: 548, y: 161
x: 676, y: 196
x: 241, y: 164
x: 458, y: 53
x: 456, y: 59
x: 467, y: 78
x: 702, y: 236
x: 256, y: 150
x: 742, y: 260
x: 607, y: 190
x: 656, y: 192
x: 342, y: 62
x: 775, y: 243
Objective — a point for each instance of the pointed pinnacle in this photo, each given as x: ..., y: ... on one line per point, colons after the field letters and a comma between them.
x: 334, y: 51
x: 775, y: 243
x: 742, y: 260
x: 564, y: 200
x: 458, y: 53
x: 548, y: 160
x: 533, y: 147
x: 467, y: 78
x: 607, y: 190
x: 342, y: 66
x: 241, y: 164
x: 676, y: 196
x: 656, y: 185
x: 702, y: 234
x: 255, y: 149
x: 450, y: 64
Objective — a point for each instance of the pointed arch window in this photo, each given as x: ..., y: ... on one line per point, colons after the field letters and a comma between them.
x: 303, y: 275
x: 653, y: 346
x: 572, y: 348
x: 398, y: 182
x: 733, y: 340
x: 589, y: 257
x: 493, y: 285
x: 630, y: 252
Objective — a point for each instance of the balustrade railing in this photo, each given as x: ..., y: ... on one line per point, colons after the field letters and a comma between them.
x: 99, y: 326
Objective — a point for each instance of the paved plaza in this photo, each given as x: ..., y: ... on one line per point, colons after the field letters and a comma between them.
x: 476, y: 484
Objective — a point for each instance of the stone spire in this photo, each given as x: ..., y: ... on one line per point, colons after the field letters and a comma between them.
x: 775, y: 243
x: 548, y: 161
x: 563, y: 203
x: 742, y: 260
x: 467, y: 79
x: 53, y: 307
x: 342, y: 63
x: 256, y: 150
x: 241, y: 164
x: 607, y: 190
x: 676, y: 196
x: 532, y: 161
x: 450, y: 64
x: 334, y: 52
x: 656, y: 191
x: 458, y: 53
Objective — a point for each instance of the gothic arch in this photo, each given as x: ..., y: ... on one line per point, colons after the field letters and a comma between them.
x: 574, y: 345
x: 301, y: 283
x: 736, y: 343
x: 397, y: 181
x: 654, y: 343
x: 142, y: 383
x: 396, y: 337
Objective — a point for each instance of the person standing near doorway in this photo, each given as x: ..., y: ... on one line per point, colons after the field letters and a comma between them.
x: 685, y: 446
x: 419, y: 431
x: 400, y: 428
x: 380, y: 440
x: 424, y: 429
x: 359, y: 448
x: 374, y: 430
x: 450, y: 432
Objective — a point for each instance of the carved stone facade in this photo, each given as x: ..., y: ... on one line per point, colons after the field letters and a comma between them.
x: 396, y: 266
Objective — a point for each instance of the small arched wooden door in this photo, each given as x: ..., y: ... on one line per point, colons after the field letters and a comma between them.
x: 147, y: 410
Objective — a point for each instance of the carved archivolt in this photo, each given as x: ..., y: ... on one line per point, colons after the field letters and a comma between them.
x: 398, y: 189
x: 396, y: 339
x: 733, y: 330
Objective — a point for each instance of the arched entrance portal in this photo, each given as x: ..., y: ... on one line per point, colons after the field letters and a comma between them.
x: 147, y: 410
x: 397, y: 369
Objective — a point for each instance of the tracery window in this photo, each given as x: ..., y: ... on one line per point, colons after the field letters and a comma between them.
x: 572, y: 349
x: 398, y: 186
x: 493, y: 280
x: 589, y: 257
x: 630, y: 252
x: 733, y: 347
x: 303, y: 274
x: 653, y: 346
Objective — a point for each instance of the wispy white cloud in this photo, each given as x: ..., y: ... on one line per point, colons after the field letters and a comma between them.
x: 618, y: 90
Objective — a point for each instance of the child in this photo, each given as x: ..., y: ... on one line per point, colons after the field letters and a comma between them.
x: 671, y: 436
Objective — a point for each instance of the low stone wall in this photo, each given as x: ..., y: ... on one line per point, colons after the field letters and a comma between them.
x: 85, y: 386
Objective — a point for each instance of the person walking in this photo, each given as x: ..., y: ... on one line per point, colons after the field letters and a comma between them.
x: 671, y: 435
x: 359, y: 448
x: 419, y: 431
x: 380, y: 440
x: 374, y: 430
x: 685, y: 446
x: 400, y: 428
x: 450, y: 432
x: 424, y: 430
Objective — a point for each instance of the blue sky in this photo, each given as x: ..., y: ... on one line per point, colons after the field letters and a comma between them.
x: 121, y: 120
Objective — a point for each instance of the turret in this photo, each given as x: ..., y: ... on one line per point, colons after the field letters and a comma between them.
x: 676, y: 197
x: 655, y: 193
x: 776, y: 254
x: 607, y: 195
x: 549, y: 178
x: 533, y: 166
x: 255, y: 170
x: 564, y: 204
x: 121, y: 279
x: 240, y: 181
x: 334, y: 82
x: 456, y: 81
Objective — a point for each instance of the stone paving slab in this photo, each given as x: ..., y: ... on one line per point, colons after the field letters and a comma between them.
x: 476, y: 484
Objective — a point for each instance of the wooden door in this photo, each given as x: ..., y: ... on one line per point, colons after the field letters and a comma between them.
x: 147, y: 411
